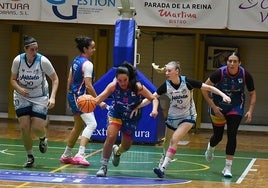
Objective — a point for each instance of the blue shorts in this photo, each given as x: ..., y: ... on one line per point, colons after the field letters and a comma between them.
x: 127, y: 126
x: 73, y: 104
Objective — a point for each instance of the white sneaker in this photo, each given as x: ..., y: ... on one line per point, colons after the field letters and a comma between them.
x: 115, y: 158
x: 226, y: 172
x: 102, y: 171
x: 209, y: 153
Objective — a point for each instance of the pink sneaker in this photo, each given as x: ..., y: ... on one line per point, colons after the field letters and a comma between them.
x: 66, y: 160
x: 80, y: 160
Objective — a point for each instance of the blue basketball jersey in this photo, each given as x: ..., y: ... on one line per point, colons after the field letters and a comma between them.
x: 233, y: 86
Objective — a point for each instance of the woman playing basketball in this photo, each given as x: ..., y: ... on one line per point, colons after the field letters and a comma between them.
x: 31, y: 95
x: 181, y: 113
x: 127, y: 94
x: 80, y: 82
x: 230, y: 79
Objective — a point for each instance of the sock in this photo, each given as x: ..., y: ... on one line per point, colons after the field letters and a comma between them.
x: 210, y: 148
x: 82, y: 150
x: 228, y: 163
x: 67, y: 152
x: 165, y: 163
x: 104, y: 161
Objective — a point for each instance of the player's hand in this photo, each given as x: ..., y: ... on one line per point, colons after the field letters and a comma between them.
x: 51, y: 103
x: 217, y: 111
x: 154, y: 113
x: 103, y: 105
x: 248, y: 116
x: 134, y: 113
x: 226, y: 99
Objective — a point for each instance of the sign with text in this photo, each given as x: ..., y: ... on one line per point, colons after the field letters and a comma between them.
x: 20, y: 10
x: 248, y: 15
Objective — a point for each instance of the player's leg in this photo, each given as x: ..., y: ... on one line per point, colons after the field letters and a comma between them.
x: 72, y: 138
x: 112, y: 133
x: 233, y: 122
x: 126, y: 142
x: 25, y: 126
x: 91, y: 125
x: 178, y: 134
x: 218, y: 130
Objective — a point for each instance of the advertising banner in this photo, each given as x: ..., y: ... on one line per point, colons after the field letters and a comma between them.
x: 20, y: 10
x: 183, y: 13
x: 248, y: 15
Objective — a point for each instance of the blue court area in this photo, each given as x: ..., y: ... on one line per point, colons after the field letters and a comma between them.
x: 136, y: 166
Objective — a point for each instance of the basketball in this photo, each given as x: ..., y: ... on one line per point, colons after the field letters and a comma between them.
x: 86, y: 103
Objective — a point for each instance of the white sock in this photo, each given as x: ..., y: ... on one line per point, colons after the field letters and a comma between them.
x: 210, y: 148
x: 104, y: 161
x: 81, y: 150
x: 228, y: 163
x: 165, y: 163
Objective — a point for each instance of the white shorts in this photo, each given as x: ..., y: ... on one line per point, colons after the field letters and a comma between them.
x: 30, y: 106
x: 175, y: 123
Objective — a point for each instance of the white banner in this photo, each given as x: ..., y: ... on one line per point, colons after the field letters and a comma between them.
x: 183, y: 13
x: 20, y: 10
x: 80, y: 11
x: 249, y: 15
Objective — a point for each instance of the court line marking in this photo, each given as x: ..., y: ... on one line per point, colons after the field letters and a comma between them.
x: 60, y: 168
x: 180, y: 154
x: 242, y: 177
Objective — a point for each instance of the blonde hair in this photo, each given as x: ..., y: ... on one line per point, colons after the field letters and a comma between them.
x: 174, y: 64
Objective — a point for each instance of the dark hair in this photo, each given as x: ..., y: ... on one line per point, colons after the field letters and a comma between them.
x: 28, y: 40
x: 82, y: 42
x: 131, y: 72
x: 235, y: 54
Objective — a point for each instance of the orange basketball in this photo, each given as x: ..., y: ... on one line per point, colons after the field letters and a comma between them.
x: 86, y: 103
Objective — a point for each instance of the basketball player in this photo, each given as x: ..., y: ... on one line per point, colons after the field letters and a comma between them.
x: 31, y: 95
x: 230, y: 79
x: 181, y: 113
x: 126, y: 93
x: 80, y: 82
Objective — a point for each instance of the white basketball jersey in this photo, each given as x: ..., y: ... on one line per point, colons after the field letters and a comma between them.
x: 32, y: 77
x: 181, y: 101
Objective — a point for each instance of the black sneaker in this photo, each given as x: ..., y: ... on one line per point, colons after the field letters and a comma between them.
x: 43, y: 145
x: 159, y: 172
x: 30, y: 161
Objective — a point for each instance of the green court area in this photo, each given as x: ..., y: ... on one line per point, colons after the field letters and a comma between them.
x: 139, y: 161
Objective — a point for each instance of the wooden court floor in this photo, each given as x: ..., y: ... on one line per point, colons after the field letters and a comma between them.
x: 251, y: 145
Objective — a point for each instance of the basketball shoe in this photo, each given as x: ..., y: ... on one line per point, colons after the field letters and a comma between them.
x: 30, y: 161
x: 209, y: 153
x: 102, y: 171
x: 226, y: 172
x: 43, y: 145
x: 80, y: 160
x: 160, y: 173
x: 116, y: 158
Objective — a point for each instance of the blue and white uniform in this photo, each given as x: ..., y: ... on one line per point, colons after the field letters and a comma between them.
x: 32, y: 77
x: 81, y: 68
x: 182, y: 106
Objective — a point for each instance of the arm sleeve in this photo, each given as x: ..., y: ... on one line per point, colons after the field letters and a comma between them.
x: 88, y: 69
x: 249, y: 81
x: 215, y: 77
x: 15, y: 65
x: 162, y: 89
x: 191, y: 84
x: 47, y: 66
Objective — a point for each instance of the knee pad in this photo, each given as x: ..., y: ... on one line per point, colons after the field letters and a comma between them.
x: 91, y: 124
